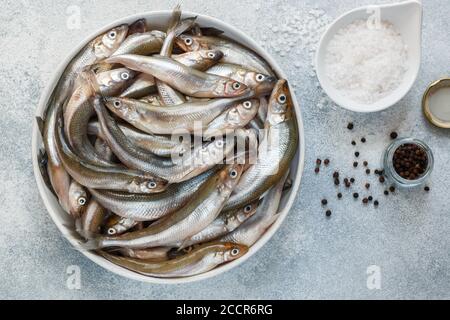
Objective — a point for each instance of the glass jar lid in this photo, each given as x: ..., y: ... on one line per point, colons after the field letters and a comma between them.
x: 436, y: 103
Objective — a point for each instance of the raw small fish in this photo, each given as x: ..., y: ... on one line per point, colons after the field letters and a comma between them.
x: 200, y: 260
x: 232, y: 52
x: 275, y: 151
x: 182, y: 78
x: 197, y: 214
x: 253, y: 228
x: 225, y: 223
x: 151, y: 207
x: 142, y: 43
x: 260, y: 84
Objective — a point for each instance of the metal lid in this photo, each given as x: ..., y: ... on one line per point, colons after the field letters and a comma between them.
x: 436, y: 103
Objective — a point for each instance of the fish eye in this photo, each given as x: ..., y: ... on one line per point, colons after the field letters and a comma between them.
x: 81, y: 201
x: 112, y: 34
x: 125, y: 76
x: 211, y: 55
x: 117, y: 104
x: 152, y: 184
x: 282, y: 98
x: 188, y: 41
x: 260, y: 77
x: 248, y: 208
x: 233, y: 173
x: 247, y: 104
x: 111, y: 231
x: 219, y: 143
x: 235, y: 251
x: 236, y: 85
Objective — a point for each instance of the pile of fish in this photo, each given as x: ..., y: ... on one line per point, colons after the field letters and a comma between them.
x: 154, y: 204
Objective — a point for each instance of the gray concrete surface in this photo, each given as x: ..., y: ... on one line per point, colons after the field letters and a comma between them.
x: 311, y: 257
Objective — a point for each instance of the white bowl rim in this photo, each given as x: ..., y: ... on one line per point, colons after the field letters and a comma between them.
x: 46, y: 194
x: 355, y: 106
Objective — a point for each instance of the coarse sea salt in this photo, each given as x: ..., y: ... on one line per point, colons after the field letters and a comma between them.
x: 366, y: 63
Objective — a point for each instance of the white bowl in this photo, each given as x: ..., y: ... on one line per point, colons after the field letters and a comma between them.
x: 159, y: 20
x: 407, y: 19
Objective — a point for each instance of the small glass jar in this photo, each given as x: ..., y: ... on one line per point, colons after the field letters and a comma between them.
x: 391, y: 173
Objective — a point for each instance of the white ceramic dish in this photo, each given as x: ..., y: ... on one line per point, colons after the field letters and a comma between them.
x: 159, y: 20
x: 407, y: 19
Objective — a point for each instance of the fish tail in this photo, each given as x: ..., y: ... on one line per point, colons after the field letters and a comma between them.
x: 178, y: 26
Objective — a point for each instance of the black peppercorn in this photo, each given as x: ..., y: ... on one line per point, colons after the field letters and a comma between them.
x: 363, y: 140
x: 367, y: 185
x: 339, y: 195
x: 324, y: 202
x: 357, y: 154
x: 376, y: 203
x: 318, y: 162
x: 327, y: 162
x: 427, y: 188
x: 382, y: 179
x: 336, y: 174
x: 365, y: 200
x: 355, y: 164
x: 316, y: 170
x: 394, y: 135
x: 355, y: 195
x: 352, y: 180
x: 367, y: 171
x: 354, y: 143
x: 365, y: 163
x: 386, y: 192
x: 336, y: 181
x: 391, y: 188
x: 328, y: 213
x: 350, y: 126
x: 370, y: 198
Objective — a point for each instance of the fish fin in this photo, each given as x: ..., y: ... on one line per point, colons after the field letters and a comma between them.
x: 89, y: 245
x: 84, y: 233
x: 139, y: 26
x: 211, y: 31
x: 43, y: 161
x: 40, y: 124
x: 177, y: 27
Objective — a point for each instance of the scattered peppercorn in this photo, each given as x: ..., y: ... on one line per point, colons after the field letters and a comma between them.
x: 365, y: 163
x: 427, y: 188
x: 394, y: 135
x: 386, y: 192
x: 367, y: 171
x: 324, y: 202
x: 365, y: 201
x: 318, y: 162
x: 376, y: 203
x: 377, y: 171
x: 363, y: 140
x: 410, y: 161
x: 355, y: 195
x: 392, y: 189
x: 336, y: 174
x: 316, y: 170
x: 370, y: 198
x: 367, y: 185
x: 328, y: 213
x: 327, y: 162
x: 355, y: 164
x: 352, y: 180
x: 350, y: 126
x: 357, y: 154
x: 354, y: 143
x: 339, y: 195
x: 347, y: 184
x: 382, y: 179
x: 336, y: 181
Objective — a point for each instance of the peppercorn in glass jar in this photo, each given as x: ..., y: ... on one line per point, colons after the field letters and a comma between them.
x: 408, y: 162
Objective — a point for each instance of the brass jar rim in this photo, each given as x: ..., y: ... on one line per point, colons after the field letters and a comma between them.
x: 432, y: 88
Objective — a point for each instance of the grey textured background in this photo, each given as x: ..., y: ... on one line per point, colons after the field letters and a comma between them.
x: 311, y: 256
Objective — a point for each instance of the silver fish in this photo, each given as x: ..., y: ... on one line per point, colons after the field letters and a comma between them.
x: 196, y: 215
x: 275, y: 151
x: 182, y: 78
x: 266, y: 214
x: 232, y: 52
